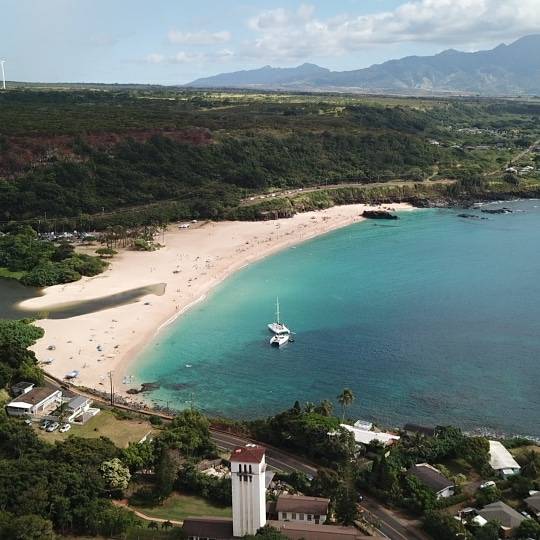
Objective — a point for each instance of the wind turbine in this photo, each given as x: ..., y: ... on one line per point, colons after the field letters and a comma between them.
x: 3, y: 74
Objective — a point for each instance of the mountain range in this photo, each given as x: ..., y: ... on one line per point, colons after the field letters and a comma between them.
x: 505, y: 70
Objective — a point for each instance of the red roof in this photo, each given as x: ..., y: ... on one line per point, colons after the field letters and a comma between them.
x: 251, y: 453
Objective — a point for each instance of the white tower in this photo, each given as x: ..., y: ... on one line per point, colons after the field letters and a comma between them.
x: 248, y: 468
x: 2, y: 62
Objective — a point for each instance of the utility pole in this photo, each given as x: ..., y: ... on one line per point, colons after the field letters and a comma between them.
x: 112, y: 388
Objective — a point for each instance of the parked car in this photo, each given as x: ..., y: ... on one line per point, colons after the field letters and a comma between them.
x: 28, y: 422
x: 53, y: 427
x: 44, y: 424
x: 64, y: 428
x: 488, y: 484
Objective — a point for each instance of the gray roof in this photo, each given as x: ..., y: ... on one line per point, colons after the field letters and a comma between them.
x: 302, y: 504
x: 533, y: 502
x: 309, y: 531
x: 430, y: 477
x: 209, y: 527
x: 76, y: 402
x: 504, y: 514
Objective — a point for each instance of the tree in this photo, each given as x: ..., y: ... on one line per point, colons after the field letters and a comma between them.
x: 166, y: 474
x: 325, y: 408
x: 490, y: 531
x: 267, y: 533
x: 31, y: 527
x: 444, y: 527
x: 166, y: 525
x: 106, y: 252
x: 529, y: 529
x: 346, y: 508
x: 115, y: 474
x: 153, y: 525
x: 531, y: 464
x: 345, y: 399
x: 139, y: 456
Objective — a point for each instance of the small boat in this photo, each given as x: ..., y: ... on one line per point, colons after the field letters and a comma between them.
x: 279, y: 340
x: 278, y: 327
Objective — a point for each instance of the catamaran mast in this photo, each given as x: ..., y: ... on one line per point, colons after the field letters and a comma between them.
x: 277, y: 309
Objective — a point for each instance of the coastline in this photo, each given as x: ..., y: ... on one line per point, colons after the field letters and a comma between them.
x: 191, y: 263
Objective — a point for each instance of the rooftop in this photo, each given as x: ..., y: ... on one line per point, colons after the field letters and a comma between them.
x: 501, y: 512
x: 430, y: 476
x: 35, y: 396
x: 77, y: 401
x: 251, y: 453
x: 209, y: 527
x: 533, y: 502
x: 304, y: 531
x: 363, y: 436
x: 500, y: 458
x: 301, y: 504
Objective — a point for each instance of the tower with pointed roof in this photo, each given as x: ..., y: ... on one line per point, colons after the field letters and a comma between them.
x: 248, y: 470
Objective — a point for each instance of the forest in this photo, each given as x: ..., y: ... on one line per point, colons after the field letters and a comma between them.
x: 139, y: 156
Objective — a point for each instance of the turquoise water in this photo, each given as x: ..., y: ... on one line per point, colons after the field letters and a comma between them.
x: 432, y: 319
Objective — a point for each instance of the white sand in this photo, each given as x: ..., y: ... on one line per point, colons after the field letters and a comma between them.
x: 191, y: 262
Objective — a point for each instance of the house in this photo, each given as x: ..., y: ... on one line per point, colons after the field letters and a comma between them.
x: 502, y: 461
x: 365, y: 437
x: 77, y: 406
x: 204, y: 528
x: 248, y: 479
x: 433, y: 479
x: 35, y: 402
x: 301, y: 509
x: 507, y: 517
x: 364, y: 424
x: 21, y: 388
x: 533, y: 504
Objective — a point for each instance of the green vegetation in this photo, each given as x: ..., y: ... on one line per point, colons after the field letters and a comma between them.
x: 140, y: 155
x: 179, y: 506
x: 41, y: 263
x: 121, y: 431
x: 17, y: 362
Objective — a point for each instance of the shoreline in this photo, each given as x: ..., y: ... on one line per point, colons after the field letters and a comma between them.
x: 191, y: 264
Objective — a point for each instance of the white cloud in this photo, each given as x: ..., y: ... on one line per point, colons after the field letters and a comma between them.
x: 198, y: 38
x: 154, y: 58
x: 294, y: 34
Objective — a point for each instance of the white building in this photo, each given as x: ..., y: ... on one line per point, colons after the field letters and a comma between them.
x: 302, y: 509
x: 502, y: 461
x: 248, y: 470
x: 77, y: 406
x: 363, y: 436
x: 35, y: 402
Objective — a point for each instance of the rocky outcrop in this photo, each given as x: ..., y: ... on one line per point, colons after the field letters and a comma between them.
x: 378, y: 214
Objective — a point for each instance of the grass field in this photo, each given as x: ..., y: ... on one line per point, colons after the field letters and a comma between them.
x: 105, y: 424
x: 8, y: 274
x: 177, y: 507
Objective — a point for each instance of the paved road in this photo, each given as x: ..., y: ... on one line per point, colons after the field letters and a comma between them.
x: 386, y: 521
x: 277, y: 459
x: 255, y: 199
x: 389, y: 523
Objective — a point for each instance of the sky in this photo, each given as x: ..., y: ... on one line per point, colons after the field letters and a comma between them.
x: 177, y: 41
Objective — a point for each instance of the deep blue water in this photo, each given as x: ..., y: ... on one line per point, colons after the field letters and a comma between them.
x: 432, y: 319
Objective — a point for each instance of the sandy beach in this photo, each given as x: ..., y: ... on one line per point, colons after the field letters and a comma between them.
x: 190, y: 264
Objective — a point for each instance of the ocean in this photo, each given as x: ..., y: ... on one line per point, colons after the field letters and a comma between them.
x: 432, y: 319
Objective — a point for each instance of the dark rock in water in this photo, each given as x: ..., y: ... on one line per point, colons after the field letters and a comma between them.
x: 149, y: 386
x: 497, y: 211
x: 470, y: 216
x: 378, y: 214
x: 133, y: 391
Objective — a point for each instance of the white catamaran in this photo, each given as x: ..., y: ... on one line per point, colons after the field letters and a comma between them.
x: 278, y: 327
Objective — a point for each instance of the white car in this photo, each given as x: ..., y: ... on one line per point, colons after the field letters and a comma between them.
x: 53, y: 427
x: 64, y: 428
x: 488, y: 484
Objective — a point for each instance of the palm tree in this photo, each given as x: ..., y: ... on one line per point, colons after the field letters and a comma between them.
x: 345, y: 399
x: 166, y: 525
x: 325, y: 408
x: 309, y: 407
